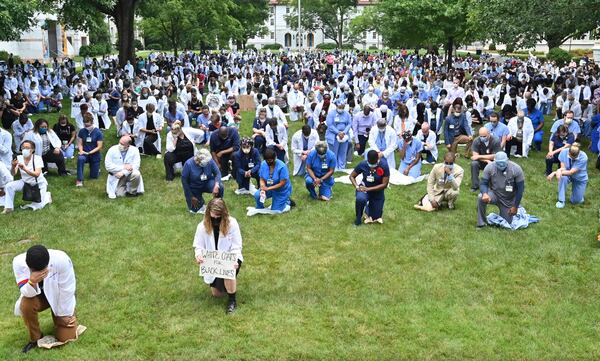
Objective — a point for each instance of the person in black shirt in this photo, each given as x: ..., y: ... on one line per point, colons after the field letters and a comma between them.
x: 66, y: 133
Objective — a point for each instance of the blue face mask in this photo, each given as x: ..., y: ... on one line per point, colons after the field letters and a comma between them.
x: 43, y: 130
x: 501, y: 165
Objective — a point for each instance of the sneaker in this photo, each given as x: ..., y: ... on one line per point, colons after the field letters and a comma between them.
x: 201, y: 210
x: 231, y: 306
x: 131, y: 195
x: 355, y: 153
x: 252, y: 189
x: 368, y: 220
x: 30, y: 346
x: 49, y: 197
x: 323, y: 198
x: 560, y: 205
x: 241, y: 191
x: 357, y: 222
x: 451, y: 205
x: 159, y: 156
x: 226, y: 178
x: 112, y: 196
x: 518, y: 156
x: 378, y: 220
x: 78, y: 184
x: 7, y: 211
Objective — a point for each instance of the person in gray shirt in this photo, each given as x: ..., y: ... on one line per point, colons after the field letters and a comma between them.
x: 502, y: 184
x: 484, y: 148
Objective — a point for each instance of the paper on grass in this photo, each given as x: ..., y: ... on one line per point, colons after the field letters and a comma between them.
x: 50, y: 341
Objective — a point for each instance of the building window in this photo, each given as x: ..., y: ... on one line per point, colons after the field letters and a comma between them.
x: 272, y: 35
x: 374, y: 35
x: 288, y: 40
x: 272, y: 21
x: 287, y: 9
x: 310, y: 39
x: 84, y: 40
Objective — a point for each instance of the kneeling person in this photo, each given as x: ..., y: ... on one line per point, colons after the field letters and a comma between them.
x: 246, y: 163
x: 320, y: 166
x: 200, y: 175
x: 370, y: 196
x: 122, y: 163
x: 443, y: 185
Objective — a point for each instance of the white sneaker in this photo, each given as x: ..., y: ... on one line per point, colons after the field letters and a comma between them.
x: 201, y: 210
x: 252, y: 189
x: 49, y: 197
x: 112, y: 196
x: 355, y: 153
x: 159, y: 156
x: 241, y: 191
x: 226, y: 178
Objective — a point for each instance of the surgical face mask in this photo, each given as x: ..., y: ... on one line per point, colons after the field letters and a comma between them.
x: 26, y: 152
x: 340, y: 111
x: 215, y: 221
x: 122, y: 148
x: 568, y: 121
x: 372, y: 165
x: 43, y: 130
x: 457, y: 114
x: 271, y: 106
x: 246, y: 150
x: 90, y: 128
x: 381, y: 130
x: 501, y: 165
x: 450, y: 166
x: 486, y: 140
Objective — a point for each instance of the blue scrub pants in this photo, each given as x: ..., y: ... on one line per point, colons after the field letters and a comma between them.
x: 578, y: 190
x: 340, y: 150
x: 324, y: 189
x: 414, y: 172
x: 243, y: 182
x: 259, y: 143
x: 538, y: 137
x: 280, y: 200
x: 371, y: 203
x: 197, y: 192
x: 94, y: 161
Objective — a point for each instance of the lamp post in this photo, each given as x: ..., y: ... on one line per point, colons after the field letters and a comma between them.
x: 299, y: 36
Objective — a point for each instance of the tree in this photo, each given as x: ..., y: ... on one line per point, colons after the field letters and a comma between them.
x: 553, y: 21
x: 332, y: 17
x: 17, y: 16
x: 80, y: 14
x: 251, y: 14
x: 419, y: 23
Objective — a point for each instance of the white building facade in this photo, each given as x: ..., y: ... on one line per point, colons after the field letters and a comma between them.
x: 47, y: 39
x: 281, y: 33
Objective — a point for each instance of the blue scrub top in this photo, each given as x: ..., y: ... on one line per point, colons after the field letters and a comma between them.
x: 580, y: 163
x: 192, y: 174
x: 499, y: 130
x: 279, y: 172
x: 96, y: 136
x: 414, y: 148
x: 536, y: 117
x: 316, y: 163
x: 364, y: 169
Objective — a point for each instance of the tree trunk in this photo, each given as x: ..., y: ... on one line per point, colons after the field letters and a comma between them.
x: 449, y: 50
x: 124, y: 15
x: 554, y: 40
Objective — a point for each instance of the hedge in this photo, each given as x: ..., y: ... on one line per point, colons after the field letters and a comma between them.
x: 561, y: 57
x: 274, y: 46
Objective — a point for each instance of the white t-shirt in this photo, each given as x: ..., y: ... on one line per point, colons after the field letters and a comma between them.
x: 39, y: 163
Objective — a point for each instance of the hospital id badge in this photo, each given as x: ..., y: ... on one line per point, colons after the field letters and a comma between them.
x: 250, y: 165
x: 324, y: 166
x: 370, y: 179
x: 203, y: 177
x: 441, y: 181
x: 509, y: 188
x: 88, y: 139
x: 451, y: 126
x: 269, y: 182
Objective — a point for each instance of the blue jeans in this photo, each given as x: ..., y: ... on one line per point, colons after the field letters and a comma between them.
x: 93, y: 160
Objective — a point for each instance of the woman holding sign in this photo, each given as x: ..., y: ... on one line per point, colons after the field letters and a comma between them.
x: 219, y: 232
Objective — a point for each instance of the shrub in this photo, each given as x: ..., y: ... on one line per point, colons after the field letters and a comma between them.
x: 274, y: 46
x: 4, y: 55
x: 327, y: 46
x: 492, y: 47
x: 154, y: 47
x: 373, y: 47
x: 137, y: 43
x: 561, y: 57
x: 250, y: 47
x: 94, y: 50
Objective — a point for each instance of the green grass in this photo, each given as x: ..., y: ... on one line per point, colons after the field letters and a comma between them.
x: 313, y: 286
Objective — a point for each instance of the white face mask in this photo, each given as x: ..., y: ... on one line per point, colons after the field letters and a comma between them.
x: 122, y: 148
x: 457, y: 114
x: 246, y: 150
x: 26, y: 153
x: 568, y: 121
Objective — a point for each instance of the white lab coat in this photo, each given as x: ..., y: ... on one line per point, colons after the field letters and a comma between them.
x: 391, y: 142
x: 430, y: 141
x: 528, y: 132
x: 298, y: 147
x: 103, y: 113
x: 6, y: 148
x: 294, y: 100
x: 389, y: 116
x: 282, y: 137
x: 143, y: 123
x: 37, y: 139
x: 114, y: 164
x: 230, y: 242
x: 59, y: 285
x: 409, y: 124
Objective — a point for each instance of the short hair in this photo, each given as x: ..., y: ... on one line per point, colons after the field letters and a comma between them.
x: 269, y: 153
x: 37, y: 257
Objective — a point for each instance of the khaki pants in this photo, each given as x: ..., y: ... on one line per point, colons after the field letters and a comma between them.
x: 462, y: 139
x: 133, y: 179
x: 65, y: 327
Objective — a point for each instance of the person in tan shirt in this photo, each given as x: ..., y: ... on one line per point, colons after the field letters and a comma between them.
x: 443, y: 185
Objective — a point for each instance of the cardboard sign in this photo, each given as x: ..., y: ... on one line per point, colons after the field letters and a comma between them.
x: 218, y: 264
x: 246, y: 102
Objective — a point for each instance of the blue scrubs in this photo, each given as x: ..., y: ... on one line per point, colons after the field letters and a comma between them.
x: 371, y: 202
x: 197, y: 180
x: 243, y: 163
x: 281, y: 196
x: 537, y: 118
x: 338, y: 123
x: 595, y: 126
x: 573, y: 127
x: 579, y: 179
x: 320, y: 166
x: 259, y: 140
x: 499, y: 130
x: 90, y: 142
x: 412, y: 150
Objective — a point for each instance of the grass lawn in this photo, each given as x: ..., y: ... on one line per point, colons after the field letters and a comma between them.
x: 314, y: 287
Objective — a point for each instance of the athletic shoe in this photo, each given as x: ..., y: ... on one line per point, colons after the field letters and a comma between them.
x: 78, y: 184
x: 231, y: 306
x: 560, y: 205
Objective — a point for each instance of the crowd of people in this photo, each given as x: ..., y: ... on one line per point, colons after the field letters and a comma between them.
x: 394, y: 113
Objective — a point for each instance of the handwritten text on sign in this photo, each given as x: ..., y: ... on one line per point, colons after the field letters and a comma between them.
x: 218, y: 264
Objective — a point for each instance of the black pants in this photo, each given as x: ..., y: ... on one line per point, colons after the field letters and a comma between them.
x: 551, y: 162
x: 57, y: 159
x: 149, y: 147
x: 362, y: 140
x: 225, y: 168
x: 172, y: 158
x: 510, y: 143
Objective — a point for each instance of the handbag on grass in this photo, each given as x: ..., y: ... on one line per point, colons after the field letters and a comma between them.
x: 32, y: 193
